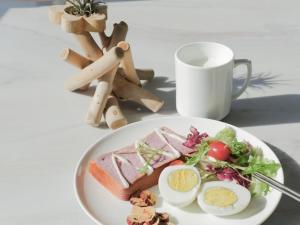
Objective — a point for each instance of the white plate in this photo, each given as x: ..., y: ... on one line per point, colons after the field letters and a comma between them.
x: 102, y: 207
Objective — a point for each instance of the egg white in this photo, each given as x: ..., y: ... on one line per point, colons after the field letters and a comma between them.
x: 173, y: 197
x: 242, y: 193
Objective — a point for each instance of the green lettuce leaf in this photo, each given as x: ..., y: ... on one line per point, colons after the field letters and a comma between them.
x: 201, y: 152
x: 259, y: 188
x: 258, y: 164
x: 227, y: 135
x: 238, y: 149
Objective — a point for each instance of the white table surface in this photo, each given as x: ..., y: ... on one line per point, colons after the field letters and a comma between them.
x: 42, y: 133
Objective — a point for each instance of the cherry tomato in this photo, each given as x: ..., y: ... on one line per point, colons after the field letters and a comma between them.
x: 219, y: 150
x: 176, y: 162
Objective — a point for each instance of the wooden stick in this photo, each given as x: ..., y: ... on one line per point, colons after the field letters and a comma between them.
x: 104, y: 39
x: 99, y: 100
x: 118, y: 34
x: 74, y: 58
x: 113, y: 114
x: 81, y: 62
x: 145, y: 74
x: 89, y: 46
x: 96, y: 69
x: 126, y: 90
x: 127, y: 64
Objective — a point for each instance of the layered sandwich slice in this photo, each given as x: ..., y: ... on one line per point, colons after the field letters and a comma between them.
x: 138, y: 166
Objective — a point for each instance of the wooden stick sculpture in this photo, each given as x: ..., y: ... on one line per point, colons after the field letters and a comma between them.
x: 112, y: 66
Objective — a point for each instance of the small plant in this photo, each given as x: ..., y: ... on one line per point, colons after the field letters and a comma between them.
x: 84, y: 7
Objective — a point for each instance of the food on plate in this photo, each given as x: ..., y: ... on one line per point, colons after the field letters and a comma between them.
x: 224, y: 166
x: 223, y: 157
x: 137, y: 166
x: 177, y: 162
x: 179, y: 185
x: 223, y: 198
x: 218, y: 150
x: 143, y: 211
x: 194, y: 138
x: 142, y: 216
x: 217, y: 170
x: 143, y: 198
x: 163, y: 217
x: 147, y: 216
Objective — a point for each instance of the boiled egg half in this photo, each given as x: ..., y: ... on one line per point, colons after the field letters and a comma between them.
x: 179, y: 184
x: 223, y: 198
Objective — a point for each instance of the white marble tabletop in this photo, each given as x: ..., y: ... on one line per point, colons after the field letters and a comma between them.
x: 41, y: 125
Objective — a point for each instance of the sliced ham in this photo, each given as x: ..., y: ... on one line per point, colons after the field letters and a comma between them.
x: 157, y: 141
x: 120, y: 171
x: 176, y: 140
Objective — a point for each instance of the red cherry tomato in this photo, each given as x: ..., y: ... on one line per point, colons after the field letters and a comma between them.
x: 219, y: 150
x: 176, y: 162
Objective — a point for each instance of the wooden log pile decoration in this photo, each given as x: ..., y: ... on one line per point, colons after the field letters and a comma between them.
x: 111, y: 65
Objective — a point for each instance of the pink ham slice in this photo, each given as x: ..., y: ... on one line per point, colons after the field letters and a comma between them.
x: 155, y: 140
x: 106, y: 161
x: 176, y: 140
x: 130, y: 168
x: 118, y: 171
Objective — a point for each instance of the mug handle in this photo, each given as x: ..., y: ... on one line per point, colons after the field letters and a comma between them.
x: 238, y: 91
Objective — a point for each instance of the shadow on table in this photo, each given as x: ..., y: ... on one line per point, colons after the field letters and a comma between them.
x: 288, y: 210
x: 245, y: 112
x: 168, y: 94
x: 160, y: 86
x: 258, y: 111
x: 260, y: 81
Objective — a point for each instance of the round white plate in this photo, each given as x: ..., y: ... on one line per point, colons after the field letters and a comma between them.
x: 102, y: 207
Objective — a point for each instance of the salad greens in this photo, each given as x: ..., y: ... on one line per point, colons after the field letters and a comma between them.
x: 228, y: 136
x: 200, y: 154
x: 244, y: 160
x: 257, y: 164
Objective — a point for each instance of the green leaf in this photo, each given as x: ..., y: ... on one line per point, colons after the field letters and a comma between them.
x: 144, y: 168
x: 201, y: 152
x: 238, y: 149
x: 258, y: 188
x: 257, y: 164
x: 148, y: 153
x: 227, y: 135
x: 242, y: 160
x: 247, y: 159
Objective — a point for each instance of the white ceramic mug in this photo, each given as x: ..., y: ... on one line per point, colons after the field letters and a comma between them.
x: 204, y: 79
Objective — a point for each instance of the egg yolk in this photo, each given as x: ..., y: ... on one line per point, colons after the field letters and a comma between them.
x: 220, y: 197
x: 183, y: 180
